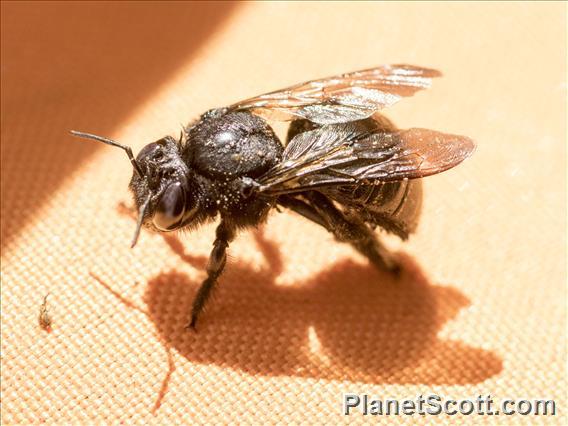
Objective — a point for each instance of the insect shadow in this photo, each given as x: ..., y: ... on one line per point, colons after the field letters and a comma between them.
x: 347, y: 322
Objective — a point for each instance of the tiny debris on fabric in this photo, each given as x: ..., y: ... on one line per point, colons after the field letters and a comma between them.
x: 44, y: 318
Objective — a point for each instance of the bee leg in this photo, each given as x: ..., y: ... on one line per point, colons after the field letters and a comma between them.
x: 303, y: 209
x: 217, y: 259
x: 324, y: 213
x: 352, y: 231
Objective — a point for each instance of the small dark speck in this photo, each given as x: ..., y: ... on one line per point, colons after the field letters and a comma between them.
x: 44, y: 318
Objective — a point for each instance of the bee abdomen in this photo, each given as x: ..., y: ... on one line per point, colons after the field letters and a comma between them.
x: 394, y: 206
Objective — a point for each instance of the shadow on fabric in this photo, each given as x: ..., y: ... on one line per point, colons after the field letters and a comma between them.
x: 348, y: 322
x: 84, y: 65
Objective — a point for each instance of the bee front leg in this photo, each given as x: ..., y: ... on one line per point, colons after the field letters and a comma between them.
x: 217, y: 260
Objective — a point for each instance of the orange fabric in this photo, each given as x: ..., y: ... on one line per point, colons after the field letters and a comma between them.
x: 298, y: 319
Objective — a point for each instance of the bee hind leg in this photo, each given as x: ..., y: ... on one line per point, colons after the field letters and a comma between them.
x: 321, y: 210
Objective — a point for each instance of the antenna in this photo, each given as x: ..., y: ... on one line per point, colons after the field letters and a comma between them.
x: 141, y: 213
x: 128, y: 150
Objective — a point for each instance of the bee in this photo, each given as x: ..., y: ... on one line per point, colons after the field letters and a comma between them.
x: 342, y: 166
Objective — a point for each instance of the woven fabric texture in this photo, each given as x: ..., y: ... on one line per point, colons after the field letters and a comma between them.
x: 298, y: 319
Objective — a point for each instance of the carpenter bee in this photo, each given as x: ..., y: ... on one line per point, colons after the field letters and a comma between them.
x: 343, y: 166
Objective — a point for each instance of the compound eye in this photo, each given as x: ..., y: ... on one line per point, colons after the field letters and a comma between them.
x: 170, y: 208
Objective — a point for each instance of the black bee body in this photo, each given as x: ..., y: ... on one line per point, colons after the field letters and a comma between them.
x: 223, y: 148
x: 208, y: 171
x: 393, y: 206
x: 343, y: 166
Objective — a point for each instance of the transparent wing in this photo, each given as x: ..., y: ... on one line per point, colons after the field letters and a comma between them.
x: 346, y: 154
x: 343, y: 98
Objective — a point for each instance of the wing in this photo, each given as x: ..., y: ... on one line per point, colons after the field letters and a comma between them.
x: 343, y: 98
x: 342, y: 154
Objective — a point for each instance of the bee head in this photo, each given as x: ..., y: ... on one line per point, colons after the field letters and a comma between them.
x: 160, y: 185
